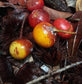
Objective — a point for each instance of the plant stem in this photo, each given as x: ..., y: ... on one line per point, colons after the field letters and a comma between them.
x: 22, y: 26
x: 57, y: 30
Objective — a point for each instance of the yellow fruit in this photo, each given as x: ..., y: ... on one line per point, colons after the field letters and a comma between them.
x: 20, y: 48
x: 43, y: 34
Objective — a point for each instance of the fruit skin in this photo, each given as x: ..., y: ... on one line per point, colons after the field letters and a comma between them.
x: 22, y: 2
x: 43, y: 34
x: 20, y: 48
x: 38, y: 16
x: 34, y: 4
x: 63, y: 24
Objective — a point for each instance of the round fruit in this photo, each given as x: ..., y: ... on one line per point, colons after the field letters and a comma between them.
x: 43, y: 34
x: 34, y: 4
x: 20, y: 48
x: 38, y: 16
x: 63, y: 24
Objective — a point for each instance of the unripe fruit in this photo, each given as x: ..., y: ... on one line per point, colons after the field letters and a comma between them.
x: 43, y: 35
x: 20, y: 48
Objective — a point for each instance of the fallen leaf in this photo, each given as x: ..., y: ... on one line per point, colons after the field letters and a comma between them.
x: 59, y: 5
x: 54, y: 14
x: 79, y: 5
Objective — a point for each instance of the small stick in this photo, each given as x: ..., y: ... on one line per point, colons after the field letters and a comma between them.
x: 54, y: 72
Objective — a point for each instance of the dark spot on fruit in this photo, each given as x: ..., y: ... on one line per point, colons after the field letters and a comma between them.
x: 16, y: 51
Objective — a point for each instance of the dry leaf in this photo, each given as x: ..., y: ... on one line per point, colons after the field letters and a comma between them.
x: 57, y: 4
x: 79, y: 5
x: 54, y: 14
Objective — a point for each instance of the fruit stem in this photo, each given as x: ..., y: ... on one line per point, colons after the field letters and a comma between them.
x: 77, y: 19
x: 57, y: 30
x: 71, y: 19
x: 22, y: 26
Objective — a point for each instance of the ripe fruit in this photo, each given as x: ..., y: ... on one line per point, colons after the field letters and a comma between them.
x: 63, y: 24
x: 34, y: 4
x: 43, y: 34
x: 20, y: 48
x: 38, y: 16
x: 22, y: 2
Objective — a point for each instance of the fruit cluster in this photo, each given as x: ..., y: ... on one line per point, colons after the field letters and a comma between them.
x: 44, y: 32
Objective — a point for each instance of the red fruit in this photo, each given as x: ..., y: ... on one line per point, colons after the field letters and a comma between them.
x: 34, y: 4
x: 22, y: 2
x: 63, y: 24
x: 38, y: 16
x: 20, y: 48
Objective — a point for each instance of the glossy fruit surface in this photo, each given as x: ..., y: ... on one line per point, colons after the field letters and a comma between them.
x: 22, y: 2
x: 43, y: 34
x: 38, y: 16
x: 63, y: 24
x: 34, y: 4
x: 20, y: 48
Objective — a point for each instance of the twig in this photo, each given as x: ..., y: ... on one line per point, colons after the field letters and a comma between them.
x: 54, y: 72
x: 22, y: 26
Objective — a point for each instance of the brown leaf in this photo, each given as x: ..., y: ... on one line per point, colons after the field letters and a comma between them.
x: 59, y: 5
x: 75, y: 41
x: 79, y: 5
x: 54, y: 14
